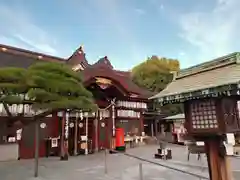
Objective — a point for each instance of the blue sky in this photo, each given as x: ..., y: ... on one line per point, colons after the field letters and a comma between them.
x: 127, y: 31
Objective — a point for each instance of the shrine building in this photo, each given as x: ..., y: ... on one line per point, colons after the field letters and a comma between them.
x: 120, y: 101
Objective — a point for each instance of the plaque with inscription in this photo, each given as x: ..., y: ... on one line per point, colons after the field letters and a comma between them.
x: 203, y: 115
x: 213, y: 116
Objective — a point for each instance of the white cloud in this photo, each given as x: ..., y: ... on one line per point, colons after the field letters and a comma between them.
x: 18, y: 29
x: 39, y: 46
x: 214, y: 33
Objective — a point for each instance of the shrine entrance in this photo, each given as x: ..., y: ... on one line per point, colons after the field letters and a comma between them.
x: 105, y: 91
x: 81, y: 134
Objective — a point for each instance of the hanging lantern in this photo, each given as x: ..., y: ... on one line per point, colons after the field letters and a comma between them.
x: 86, y: 114
x: 60, y: 114
x: 43, y: 125
x: 71, y: 125
x: 102, y: 124
x: 80, y: 125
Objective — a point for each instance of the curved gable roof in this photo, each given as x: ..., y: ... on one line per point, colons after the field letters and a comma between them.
x: 103, y: 68
x: 16, y: 57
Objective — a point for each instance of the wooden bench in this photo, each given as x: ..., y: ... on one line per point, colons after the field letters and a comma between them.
x: 194, y: 148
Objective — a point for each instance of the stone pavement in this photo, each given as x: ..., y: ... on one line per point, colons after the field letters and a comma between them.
x: 179, y: 154
x: 91, y: 167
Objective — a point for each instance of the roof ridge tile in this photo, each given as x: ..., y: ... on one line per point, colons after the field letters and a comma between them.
x: 232, y: 58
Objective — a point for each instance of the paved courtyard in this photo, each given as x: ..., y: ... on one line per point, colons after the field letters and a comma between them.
x: 119, y: 167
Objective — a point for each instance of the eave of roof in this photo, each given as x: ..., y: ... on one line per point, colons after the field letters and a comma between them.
x: 175, y: 117
x: 125, y: 81
x: 24, y: 58
x: 28, y: 53
x: 207, y: 79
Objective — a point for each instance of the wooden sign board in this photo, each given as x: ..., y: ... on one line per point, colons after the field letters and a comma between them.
x: 212, y: 116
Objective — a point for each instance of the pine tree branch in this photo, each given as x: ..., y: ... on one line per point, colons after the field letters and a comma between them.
x: 5, y: 105
x: 7, y: 110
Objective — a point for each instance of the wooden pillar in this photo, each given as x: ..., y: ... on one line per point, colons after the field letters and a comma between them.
x: 163, y: 129
x: 219, y: 168
x: 36, y: 148
x: 155, y: 127
x: 62, y: 114
x: 86, y: 149
x: 152, y: 129
x: 141, y: 123
x: 76, y: 136
x: 96, y: 132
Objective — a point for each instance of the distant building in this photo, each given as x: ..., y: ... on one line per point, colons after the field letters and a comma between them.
x: 174, y: 128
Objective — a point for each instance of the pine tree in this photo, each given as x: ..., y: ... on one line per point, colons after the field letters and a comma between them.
x: 47, y: 87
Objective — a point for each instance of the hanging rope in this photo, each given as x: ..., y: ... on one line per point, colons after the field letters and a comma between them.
x: 111, y: 104
x: 103, y: 109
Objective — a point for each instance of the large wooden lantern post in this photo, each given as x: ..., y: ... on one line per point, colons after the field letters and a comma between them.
x: 209, y: 120
x: 210, y: 94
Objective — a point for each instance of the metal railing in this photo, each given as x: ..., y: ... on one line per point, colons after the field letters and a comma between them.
x: 201, y: 177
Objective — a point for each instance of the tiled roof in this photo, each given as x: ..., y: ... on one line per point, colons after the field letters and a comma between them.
x: 16, y: 57
x: 204, y: 76
x: 78, y: 57
x: 102, y: 69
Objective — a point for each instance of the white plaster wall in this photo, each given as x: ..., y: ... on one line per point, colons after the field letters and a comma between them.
x: 8, y: 152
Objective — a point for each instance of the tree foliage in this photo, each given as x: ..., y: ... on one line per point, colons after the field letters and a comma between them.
x: 154, y: 74
x: 46, y: 87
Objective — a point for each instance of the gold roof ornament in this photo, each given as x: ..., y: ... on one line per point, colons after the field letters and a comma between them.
x: 103, y: 81
x: 82, y: 47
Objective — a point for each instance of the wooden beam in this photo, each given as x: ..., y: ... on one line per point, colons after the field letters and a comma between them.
x: 76, y: 136
x: 219, y: 168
